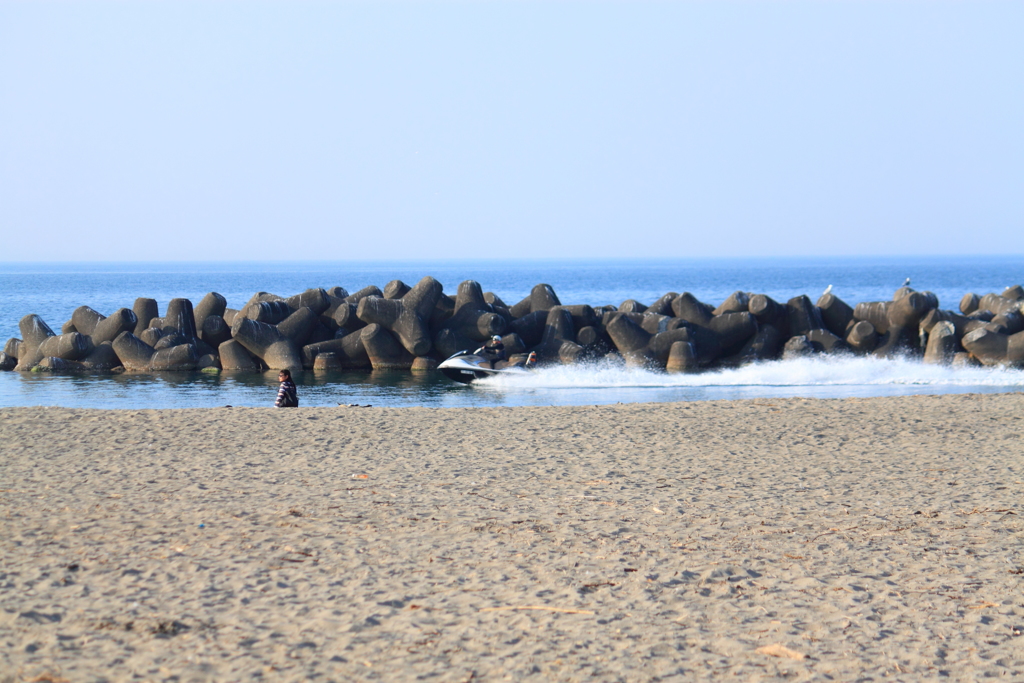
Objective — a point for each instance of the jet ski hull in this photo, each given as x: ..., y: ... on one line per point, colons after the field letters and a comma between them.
x: 467, y: 367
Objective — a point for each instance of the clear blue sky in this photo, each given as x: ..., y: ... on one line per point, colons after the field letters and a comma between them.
x: 298, y: 130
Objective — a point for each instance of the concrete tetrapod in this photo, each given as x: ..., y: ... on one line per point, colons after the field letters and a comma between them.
x: 663, y: 306
x: 692, y: 310
x: 473, y: 317
x: 738, y: 302
x: 133, y: 353
x: 181, y: 318
x: 85, y: 319
x: 406, y: 317
x: 348, y: 350
x: 444, y: 310
x: 682, y: 357
x: 993, y: 348
x: 764, y: 345
x: 327, y: 362
x: 345, y: 317
x: 59, y: 366
x: 7, y: 361
x: 589, y: 336
x: 152, y: 335
x: 962, y: 359
x: 862, y: 337
x: 1014, y: 292
x: 936, y: 315
x: 557, y: 331
x: 1011, y: 321
x: 969, y: 303
x: 121, y: 320
x: 13, y: 347
x: 943, y: 343
x: 570, y: 353
x: 798, y: 347
x: 265, y: 342
x: 386, y: 352
x: 835, y: 313
x: 659, y: 349
x: 102, y: 358
x: 803, y: 316
x: 298, y: 326
x: 594, y: 340
x: 268, y: 312
x: 322, y: 332
x: 874, y: 312
x: 733, y: 330
x: 513, y: 344
x: 649, y: 322
x: 640, y: 348
x: 902, y: 322
x: 211, y: 304
x: 339, y: 292
x: 823, y: 340
x: 71, y: 346
x: 215, y: 331
x: 316, y: 299
x: 423, y: 364
x: 180, y: 358
x: 327, y: 317
x: 897, y: 340
x: 541, y: 298
x: 448, y: 342
x: 169, y: 340
x: 234, y: 356
x: 363, y: 293
x: 396, y: 289
x: 34, y: 331
x: 768, y: 311
x: 262, y: 296
x: 628, y: 337
x: 530, y: 327
x: 582, y: 316
x: 997, y: 304
x: 908, y: 311
x: 145, y: 311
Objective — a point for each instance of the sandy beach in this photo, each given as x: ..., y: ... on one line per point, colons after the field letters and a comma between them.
x: 858, y: 539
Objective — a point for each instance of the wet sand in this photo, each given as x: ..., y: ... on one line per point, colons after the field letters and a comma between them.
x: 751, y: 540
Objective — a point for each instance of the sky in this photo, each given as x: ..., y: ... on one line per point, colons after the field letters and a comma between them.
x: 194, y: 131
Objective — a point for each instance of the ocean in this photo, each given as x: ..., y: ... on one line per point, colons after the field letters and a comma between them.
x: 54, y: 290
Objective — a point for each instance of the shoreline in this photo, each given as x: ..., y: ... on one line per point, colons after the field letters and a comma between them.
x: 764, y: 538
x: 600, y: 385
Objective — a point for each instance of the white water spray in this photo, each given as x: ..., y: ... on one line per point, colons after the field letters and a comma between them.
x: 822, y: 376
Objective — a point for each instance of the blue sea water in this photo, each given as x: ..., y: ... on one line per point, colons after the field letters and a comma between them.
x: 54, y: 290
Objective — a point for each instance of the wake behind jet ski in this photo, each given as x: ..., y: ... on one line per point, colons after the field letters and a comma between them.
x: 487, y: 361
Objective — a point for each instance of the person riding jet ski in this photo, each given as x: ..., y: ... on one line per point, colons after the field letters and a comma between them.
x: 493, y: 350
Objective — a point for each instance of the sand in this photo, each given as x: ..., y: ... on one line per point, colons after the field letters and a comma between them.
x: 859, y: 539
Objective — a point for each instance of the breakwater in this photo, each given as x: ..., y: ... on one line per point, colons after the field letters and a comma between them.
x: 411, y: 328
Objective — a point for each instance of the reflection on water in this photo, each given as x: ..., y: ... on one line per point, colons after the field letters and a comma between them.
x: 201, y: 390
x: 562, y: 385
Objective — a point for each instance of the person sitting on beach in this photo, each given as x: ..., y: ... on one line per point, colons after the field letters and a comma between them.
x: 287, y: 395
x: 493, y: 350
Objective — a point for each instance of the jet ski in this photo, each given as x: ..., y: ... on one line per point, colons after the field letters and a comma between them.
x: 466, y: 366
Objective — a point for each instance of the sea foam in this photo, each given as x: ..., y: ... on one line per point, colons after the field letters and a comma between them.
x: 819, y: 377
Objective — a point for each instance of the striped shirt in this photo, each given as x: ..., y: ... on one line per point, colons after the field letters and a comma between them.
x: 287, y: 396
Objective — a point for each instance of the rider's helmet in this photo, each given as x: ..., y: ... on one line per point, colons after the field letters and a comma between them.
x: 496, y: 338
